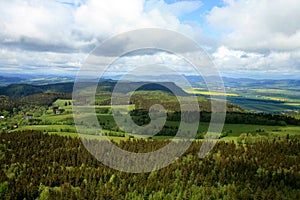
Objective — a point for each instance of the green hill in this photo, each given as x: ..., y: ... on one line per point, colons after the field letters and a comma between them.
x: 16, y: 91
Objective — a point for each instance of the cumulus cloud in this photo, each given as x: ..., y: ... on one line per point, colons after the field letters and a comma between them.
x: 34, y: 29
x: 258, y: 24
x: 66, y: 25
x: 105, y: 18
x: 274, y: 64
x: 19, y: 61
x: 36, y: 25
x: 257, y: 36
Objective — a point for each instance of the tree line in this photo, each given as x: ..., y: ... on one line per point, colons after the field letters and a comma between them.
x: 245, y: 118
x: 42, y: 99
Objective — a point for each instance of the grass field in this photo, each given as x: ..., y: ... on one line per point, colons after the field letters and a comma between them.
x: 68, y: 130
x: 63, y: 124
x: 233, y: 130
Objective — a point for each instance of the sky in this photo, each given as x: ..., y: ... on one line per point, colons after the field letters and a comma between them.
x: 252, y: 39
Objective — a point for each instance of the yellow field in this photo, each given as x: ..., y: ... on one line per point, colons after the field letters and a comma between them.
x: 293, y: 104
x: 276, y: 98
x: 197, y: 91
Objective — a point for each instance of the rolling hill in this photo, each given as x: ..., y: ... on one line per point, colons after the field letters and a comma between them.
x: 16, y: 91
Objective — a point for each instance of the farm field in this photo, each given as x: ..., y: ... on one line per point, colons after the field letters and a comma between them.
x: 233, y: 130
x: 199, y: 91
x: 258, y: 100
x: 63, y: 124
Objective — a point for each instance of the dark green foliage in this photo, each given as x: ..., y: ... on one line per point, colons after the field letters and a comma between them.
x: 6, y: 103
x: 260, y: 119
x: 20, y: 90
x: 125, y: 87
x: 30, y: 94
x: 37, y: 165
x: 115, y: 134
x: 141, y: 117
x: 58, y: 87
x: 16, y: 91
x: 246, y: 118
x: 41, y: 99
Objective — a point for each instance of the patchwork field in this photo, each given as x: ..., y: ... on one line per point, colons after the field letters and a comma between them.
x: 258, y: 100
x: 63, y: 124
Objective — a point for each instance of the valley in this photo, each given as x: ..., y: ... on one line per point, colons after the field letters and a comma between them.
x: 43, y: 154
x: 48, y: 108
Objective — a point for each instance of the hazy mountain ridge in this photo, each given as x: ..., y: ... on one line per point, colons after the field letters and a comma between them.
x: 7, y: 79
x: 194, y: 80
x: 10, y: 80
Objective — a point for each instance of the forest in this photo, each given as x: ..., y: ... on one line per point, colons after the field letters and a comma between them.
x: 35, y: 165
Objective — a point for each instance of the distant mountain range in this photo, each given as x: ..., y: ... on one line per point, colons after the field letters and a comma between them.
x: 41, y: 83
x: 250, y: 83
x: 50, y: 79
x: 258, y: 83
x: 9, y: 80
x: 33, y: 79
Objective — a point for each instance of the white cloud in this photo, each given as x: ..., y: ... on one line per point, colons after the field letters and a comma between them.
x: 232, y: 62
x: 41, y: 35
x: 259, y: 24
x: 105, y: 18
x: 18, y: 61
x: 35, y: 34
x: 53, y: 23
x: 44, y: 21
x: 146, y: 63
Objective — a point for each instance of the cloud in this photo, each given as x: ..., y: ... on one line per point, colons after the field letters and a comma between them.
x: 256, y: 36
x: 236, y: 62
x: 43, y: 33
x: 72, y: 25
x: 19, y: 61
x: 34, y: 24
x: 101, y: 19
x: 258, y: 25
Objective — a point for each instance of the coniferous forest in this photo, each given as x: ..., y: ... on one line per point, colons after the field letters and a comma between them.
x: 35, y: 165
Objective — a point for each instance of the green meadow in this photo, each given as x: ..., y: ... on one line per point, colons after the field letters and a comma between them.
x: 63, y: 124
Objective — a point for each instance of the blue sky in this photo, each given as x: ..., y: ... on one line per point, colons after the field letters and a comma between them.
x: 243, y: 38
